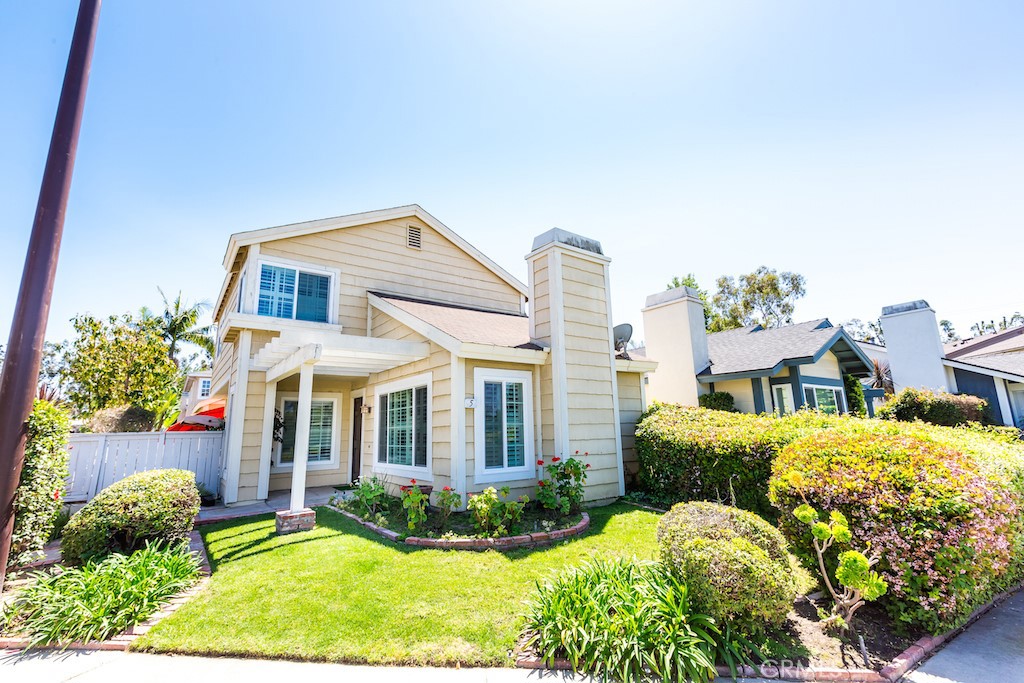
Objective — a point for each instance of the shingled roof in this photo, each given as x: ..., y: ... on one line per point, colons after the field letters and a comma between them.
x: 755, y: 349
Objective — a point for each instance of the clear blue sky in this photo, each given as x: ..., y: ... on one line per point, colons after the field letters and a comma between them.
x: 875, y: 147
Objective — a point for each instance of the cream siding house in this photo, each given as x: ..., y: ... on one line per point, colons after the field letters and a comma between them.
x: 765, y: 370
x: 384, y: 344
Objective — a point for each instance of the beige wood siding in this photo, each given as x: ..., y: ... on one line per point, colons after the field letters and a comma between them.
x: 589, y: 374
x: 742, y: 393
x: 827, y: 367
x: 631, y: 406
x: 438, y: 364
x: 384, y: 326
x: 375, y: 257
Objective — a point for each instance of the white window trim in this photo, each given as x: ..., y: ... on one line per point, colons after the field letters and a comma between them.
x: 208, y: 391
x: 840, y: 398
x: 483, y: 475
x: 411, y: 471
x: 277, y: 466
x: 787, y: 390
x: 333, y: 275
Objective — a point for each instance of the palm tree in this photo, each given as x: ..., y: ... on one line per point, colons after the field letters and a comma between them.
x: 881, y: 376
x: 180, y: 323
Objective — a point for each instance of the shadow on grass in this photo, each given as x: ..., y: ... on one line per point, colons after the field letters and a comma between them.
x: 234, y: 540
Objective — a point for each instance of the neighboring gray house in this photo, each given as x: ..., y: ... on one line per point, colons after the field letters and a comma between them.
x: 990, y: 366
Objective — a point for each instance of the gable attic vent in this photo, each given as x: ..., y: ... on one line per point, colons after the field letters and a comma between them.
x: 414, y: 237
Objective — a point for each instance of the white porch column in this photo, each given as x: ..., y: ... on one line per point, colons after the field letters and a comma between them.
x: 1003, y: 396
x: 302, y: 438
x: 267, y: 441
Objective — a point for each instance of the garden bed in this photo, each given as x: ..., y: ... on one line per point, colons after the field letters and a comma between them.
x: 451, y: 541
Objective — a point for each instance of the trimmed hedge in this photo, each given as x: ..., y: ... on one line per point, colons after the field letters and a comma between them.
x: 735, y: 564
x: 947, y: 532
x: 40, y: 493
x: 935, y: 408
x: 717, y: 400
x: 158, y: 505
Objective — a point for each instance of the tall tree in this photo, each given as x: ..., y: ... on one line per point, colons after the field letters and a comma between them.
x: 179, y: 323
x: 982, y: 327
x: 949, y: 334
x: 116, y: 362
x: 764, y: 297
x: 870, y: 331
x: 691, y: 281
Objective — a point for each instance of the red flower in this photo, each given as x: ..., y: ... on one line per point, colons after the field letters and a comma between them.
x: 412, y: 481
x: 540, y: 483
x: 588, y: 466
x: 540, y: 462
x: 577, y: 452
x: 56, y: 494
x: 555, y: 459
x: 403, y: 488
x: 447, y: 488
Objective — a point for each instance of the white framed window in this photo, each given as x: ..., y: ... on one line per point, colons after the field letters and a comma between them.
x: 503, y: 425
x: 296, y: 291
x: 403, y: 427
x: 204, y: 387
x: 826, y: 399
x: 324, y: 431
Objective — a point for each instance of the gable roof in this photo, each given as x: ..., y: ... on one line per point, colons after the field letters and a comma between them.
x: 755, y: 351
x: 243, y: 239
x: 994, y: 342
x: 467, y: 324
x: 1009, y: 365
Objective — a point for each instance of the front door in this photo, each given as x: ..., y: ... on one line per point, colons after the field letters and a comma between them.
x: 357, y: 436
x: 783, y: 399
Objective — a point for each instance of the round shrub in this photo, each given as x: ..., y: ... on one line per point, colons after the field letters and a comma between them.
x: 158, y: 505
x: 734, y: 563
x: 717, y: 400
x: 936, y: 408
x: 946, y: 532
x: 40, y: 493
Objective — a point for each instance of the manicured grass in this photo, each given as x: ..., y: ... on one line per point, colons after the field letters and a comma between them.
x: 342, y: 593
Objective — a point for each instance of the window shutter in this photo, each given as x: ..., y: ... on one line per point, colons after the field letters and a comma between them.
x: 420, y: 406
x: 312, y: 299
x: 277, y: 292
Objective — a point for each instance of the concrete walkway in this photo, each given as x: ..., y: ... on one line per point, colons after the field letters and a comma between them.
x: 103, y: 667
x: 277, y: 500
x: 990, y: 651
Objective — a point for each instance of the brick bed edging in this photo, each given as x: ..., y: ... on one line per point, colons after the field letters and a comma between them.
x: 122, y: 642
x: 533, y: 540
x: 890, y: 673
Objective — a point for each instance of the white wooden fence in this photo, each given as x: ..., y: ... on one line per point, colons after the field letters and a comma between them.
x: 98, y: 460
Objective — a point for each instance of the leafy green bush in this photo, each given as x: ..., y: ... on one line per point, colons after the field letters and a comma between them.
x: 148, y: 506
x: 735, y: 564
x: 494, y: 515
x: 855, y: 395
x: 562, y: 492
x: 948, y: 533
x: 122, y: 419
x: 371, y: 496
x: 697, y: 454
x: 935, y: 408
x: 101, y: 599
x: 625, y: 620
x: 40, y: 493
x: 717, y: 400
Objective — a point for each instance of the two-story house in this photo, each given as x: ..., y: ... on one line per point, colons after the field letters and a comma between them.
x: 384, y: 344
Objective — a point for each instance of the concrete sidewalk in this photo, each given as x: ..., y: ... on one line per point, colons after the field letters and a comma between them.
x: 110, y: 667
x: 990, y: 651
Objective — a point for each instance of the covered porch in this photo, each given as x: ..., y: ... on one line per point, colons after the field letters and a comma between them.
x: 312, y: 386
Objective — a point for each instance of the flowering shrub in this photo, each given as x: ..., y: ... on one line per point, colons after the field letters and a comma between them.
x: 937, y: 408
x: 734, y: 563
x: 492, y: 515
x: 448, y: 499
x: 371, y: 495
x: 946, y: 532
x: 40, y: 493
x: 415, y: 503
x: 562, y: 491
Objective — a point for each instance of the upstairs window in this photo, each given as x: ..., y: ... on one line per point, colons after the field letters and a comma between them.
x: 293, y: 293
x: 204, y: 388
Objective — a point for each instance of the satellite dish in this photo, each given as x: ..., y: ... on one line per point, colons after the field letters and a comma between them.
x: 622, y: 334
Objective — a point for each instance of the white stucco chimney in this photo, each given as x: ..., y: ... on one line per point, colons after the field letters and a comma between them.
x: 914, y: 346
x: 675, y: 337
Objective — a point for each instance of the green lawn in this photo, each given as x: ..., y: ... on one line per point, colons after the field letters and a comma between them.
x: 342, y: 593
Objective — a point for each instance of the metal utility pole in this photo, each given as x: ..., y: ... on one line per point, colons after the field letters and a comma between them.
x: 28, y: 327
